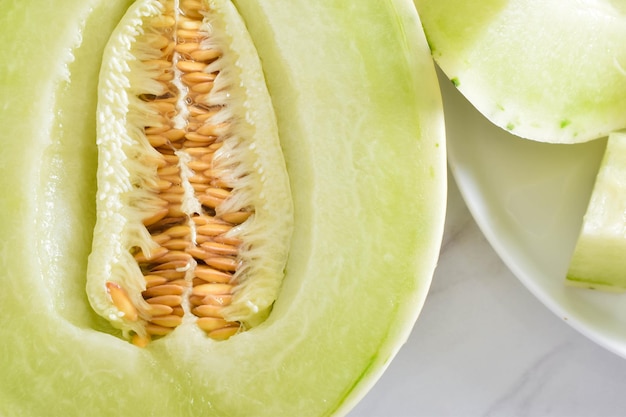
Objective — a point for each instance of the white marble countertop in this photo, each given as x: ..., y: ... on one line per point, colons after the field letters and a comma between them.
x: 485, y: 346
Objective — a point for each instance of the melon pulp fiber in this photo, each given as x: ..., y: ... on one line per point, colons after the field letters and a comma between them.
x: 192, y: 146
x: 543, y: 70
x: 598, y: 261
x: 360, y: 124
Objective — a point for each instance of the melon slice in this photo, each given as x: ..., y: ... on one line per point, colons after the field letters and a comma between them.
x: 539, y: 69
x: 360, y: 124
x: 598, y: 261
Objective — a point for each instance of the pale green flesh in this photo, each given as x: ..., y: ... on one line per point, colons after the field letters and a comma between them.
x: 368, y: 180
x: 544, y: 70
x: 61, y: 148
x: 599, y: 259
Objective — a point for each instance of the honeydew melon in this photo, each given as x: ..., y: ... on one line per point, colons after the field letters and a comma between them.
x: 598, y: 261
x: 360, y: 123
x: 541, y: 69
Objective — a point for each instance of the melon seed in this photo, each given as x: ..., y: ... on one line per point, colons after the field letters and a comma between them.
x: 122, y: 301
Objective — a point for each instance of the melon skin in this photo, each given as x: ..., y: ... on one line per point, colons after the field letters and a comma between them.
x: 540, y: 69
x: 368, y: 180
x: 598, y: 260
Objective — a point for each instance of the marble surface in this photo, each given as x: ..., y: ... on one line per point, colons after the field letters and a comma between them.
x: 484, y: 346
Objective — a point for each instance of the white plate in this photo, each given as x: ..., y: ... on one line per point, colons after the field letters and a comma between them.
x: 529, y: 198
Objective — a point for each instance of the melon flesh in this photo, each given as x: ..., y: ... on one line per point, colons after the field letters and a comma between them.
x: 541, y: 69
x: 360, y: 121
x: 598, y: 261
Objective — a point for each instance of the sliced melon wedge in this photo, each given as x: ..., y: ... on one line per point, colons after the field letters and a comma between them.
x: 543, y: 70
x: 360, y: 124
x: 598, y: 261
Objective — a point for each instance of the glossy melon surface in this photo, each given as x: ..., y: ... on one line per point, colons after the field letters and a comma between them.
x: 360, y: 123
x: 543, y: 70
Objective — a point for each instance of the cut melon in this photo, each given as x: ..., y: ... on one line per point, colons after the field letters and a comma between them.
x: 360, y: 124
x: 541, y: 69
x: 598, y: 261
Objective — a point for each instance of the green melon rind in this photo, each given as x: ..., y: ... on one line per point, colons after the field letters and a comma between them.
x: 540, y: 69
x: 598, y: 260
x: 343, y: 312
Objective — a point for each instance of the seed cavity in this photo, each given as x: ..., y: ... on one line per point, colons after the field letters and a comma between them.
x: 183, y: 217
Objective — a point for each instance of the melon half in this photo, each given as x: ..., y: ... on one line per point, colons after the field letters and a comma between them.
x: 357, y: 112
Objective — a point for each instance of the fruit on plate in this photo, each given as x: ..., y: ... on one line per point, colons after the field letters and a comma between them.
x: 598, y: 261
x: 536, y: 68
x: 338, y: 172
